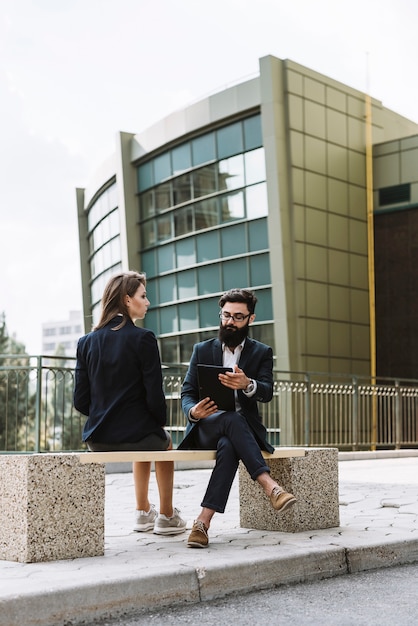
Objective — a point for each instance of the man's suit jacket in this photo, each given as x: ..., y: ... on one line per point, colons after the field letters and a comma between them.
x: 256, y: 361
x: 118, y: 384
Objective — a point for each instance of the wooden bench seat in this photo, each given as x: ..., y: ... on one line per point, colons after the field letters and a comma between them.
x: 175, y: 455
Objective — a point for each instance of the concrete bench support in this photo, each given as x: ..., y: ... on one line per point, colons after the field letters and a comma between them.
x: 51, y: 507
x: 313, y: 479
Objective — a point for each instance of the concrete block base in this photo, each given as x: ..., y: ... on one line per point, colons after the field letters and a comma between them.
x: 51, y: 507
x: 313, y: 480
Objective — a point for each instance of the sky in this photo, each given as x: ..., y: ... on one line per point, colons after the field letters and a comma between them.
x: 74, y: 73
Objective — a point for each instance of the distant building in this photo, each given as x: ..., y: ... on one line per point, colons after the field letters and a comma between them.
x: 62, y: 334
x: 266, y: 185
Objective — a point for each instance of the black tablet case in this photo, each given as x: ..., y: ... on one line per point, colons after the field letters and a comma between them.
x: 210, y: 386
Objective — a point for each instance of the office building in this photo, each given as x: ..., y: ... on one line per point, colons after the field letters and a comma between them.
x: 266, y: 185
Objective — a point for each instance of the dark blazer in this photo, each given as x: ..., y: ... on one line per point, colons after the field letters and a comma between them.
x: 257, y: 362
x: 118, y: 384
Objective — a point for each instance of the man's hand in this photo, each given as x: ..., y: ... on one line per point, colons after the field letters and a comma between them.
x: 203, y: 409
x: 236, y: 379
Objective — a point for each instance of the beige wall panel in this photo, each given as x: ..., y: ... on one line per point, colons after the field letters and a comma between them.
x: 337, y: 196
x: 316, y: 227
x: 339, y: 303
x: 317, y: 300
x: 316, y: 263
x: 357, y: 202
x: 340, y: 340
x: 359, y: 301
x: 339, y: 267
x: 294, y: 82
x: 298, y: 186
x: 295, y: 106
x: 337, y: 127
x: 358, y: 236
x: 314, y: 89
x: 297, y: 151
x: 314, y: 119
x: 315, y: 154
x: 337, y: 161
x: 336, y: 99
x: 317, y: 337
x: 316, y: 190
x: 360, y: 340
x: 356, y: 134
x: 299, y: 226
x: 359, y: 276
x: 300, y: 260
x: 356, y: 168
x: 338, y: 232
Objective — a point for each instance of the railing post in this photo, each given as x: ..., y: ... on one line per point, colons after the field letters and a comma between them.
x: 354, y: 417
x: 307, y: 410
x: 398, y: 422
x: 38, y: 404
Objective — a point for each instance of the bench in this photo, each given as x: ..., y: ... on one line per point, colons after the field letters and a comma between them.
x: 52, y: 504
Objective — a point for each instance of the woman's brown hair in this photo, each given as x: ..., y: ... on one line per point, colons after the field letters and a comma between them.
x: 113, y: 299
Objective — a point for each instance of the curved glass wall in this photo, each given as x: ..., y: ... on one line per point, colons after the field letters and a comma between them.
x: 104, y: 244
x: 203, y: 222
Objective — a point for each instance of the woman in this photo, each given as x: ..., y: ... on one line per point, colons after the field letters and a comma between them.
x: 118, y: 385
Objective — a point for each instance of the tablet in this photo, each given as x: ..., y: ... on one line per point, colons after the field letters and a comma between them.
x: 210, y: 386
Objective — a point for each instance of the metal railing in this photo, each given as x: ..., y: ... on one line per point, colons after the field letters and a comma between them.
x: 307, y: 409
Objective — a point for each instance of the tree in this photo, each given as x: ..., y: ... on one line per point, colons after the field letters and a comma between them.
x: 17, y: 404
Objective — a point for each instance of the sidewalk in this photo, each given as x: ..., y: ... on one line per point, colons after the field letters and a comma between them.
x: 142, y: 571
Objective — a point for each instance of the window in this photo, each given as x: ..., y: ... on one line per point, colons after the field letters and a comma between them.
x: 162, y: 167
x: 255, y: 167
x: 231, y: 173
x: 229, y: 140
x: 167, y: 288
x: 187, y: 286
x: 168, y: 319
x: 256, y: 197
x: 182, y: 189
x: 185, y: 251
x: 232, y: 206
x: 203, y: 149
x: 233, y: 240
x: 204, y: 181
x: 209, y: 280
x: 208, y: 247
x: 181, y: 158
x: 183, y: 221
x: 206, y: 213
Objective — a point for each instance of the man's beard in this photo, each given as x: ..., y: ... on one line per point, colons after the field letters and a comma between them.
x: 232, y: 336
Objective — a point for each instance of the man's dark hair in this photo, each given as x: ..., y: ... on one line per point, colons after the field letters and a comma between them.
x: 239, y: 295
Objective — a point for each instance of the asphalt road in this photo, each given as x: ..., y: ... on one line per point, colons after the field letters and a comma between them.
x: 379, y: 597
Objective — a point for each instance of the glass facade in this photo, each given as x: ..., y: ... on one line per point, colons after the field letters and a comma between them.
x: 104, y: 243
x: 203, y: 222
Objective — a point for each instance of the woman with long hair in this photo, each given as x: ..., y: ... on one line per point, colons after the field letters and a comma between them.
x: 119, y: 387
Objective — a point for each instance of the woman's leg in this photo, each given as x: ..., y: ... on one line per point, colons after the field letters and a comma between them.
x: 141, y: 474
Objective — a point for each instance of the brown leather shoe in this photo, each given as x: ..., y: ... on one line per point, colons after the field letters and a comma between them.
x: 198, y: 538
x: 281, y: 500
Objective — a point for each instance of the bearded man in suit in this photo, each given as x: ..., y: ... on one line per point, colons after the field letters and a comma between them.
x: 235, y: 435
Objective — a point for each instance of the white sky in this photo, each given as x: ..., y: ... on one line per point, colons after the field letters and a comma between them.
x: 75, y: 72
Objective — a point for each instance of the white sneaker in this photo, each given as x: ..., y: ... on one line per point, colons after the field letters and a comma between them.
x: 169, y: 525
x: 145, y: 521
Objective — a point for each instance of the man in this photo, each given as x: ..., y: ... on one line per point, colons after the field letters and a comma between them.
x: 236, y: 435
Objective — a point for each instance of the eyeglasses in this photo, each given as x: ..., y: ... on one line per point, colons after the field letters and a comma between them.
x: 238, y: 317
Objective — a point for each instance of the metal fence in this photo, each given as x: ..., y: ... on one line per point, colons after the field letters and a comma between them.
x: 307, y: 409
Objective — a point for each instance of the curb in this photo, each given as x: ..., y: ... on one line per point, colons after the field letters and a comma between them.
x: 145, y: 591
